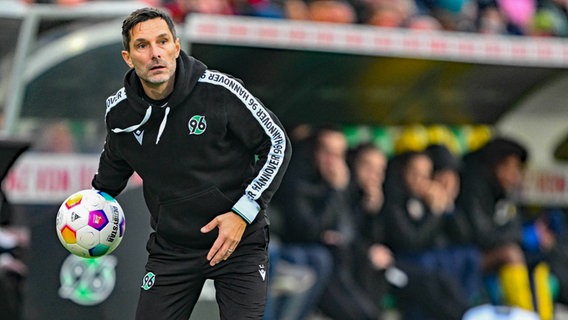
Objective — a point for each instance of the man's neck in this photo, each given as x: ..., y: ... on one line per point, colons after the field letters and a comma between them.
x: 158, y: 92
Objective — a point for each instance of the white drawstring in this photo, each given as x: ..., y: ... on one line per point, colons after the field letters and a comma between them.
x: 163, y: 124
x: 134, y: 127
x: 146, y: 117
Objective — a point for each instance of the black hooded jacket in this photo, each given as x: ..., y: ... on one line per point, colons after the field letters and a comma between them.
x: 211, y: 148
x: 493, y: 213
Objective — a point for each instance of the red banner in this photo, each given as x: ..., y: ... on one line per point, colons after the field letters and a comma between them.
x: 40, y: 178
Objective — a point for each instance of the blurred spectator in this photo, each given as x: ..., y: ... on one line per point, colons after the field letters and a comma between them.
x: 179, y: 9
x: 388, y: 13
x: 335, y: 11
x: 372, y: 258
x: 295, y: 10
x: 375, y: 268
x: 258, y: 8
x: 423, y: 23
x: 368, y: 167
x: 455, y: 15
x: 61, y: 2
x: 289, y: 226
x: 318, y: 226
x: 423, y: 225
x: 294, y: 285
x: 519, y: 14
x: 522, y: 17
x: 550, y: 19
x: 538, y: 18
x: 415, y: 204
x: 458, y: 256
x: 547, y: 238
x: 385, y: 16
x: 55, y: 137
x: 491, y: 21
x: 490, y: 179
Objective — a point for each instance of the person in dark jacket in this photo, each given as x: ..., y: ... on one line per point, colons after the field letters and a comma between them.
x: 371, y: 257
x: 320, y: 228
x: 375, y: 267
x: 491, y: 179
x: 415, y: 207
x: 419, y: 212
x: 211, y: 156
x: 459, y: 256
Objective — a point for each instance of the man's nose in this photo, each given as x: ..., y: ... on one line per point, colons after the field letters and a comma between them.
x: 156, y: 52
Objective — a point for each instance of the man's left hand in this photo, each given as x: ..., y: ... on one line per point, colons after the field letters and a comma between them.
x: 231, y: 228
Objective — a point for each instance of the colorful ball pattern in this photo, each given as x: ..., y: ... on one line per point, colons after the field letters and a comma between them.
x: 90, y: 223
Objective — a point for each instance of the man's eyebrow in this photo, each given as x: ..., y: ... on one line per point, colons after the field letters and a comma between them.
x: 163, y: 35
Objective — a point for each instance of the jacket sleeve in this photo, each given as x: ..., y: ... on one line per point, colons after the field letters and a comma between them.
x: 262, y: 133
x: 113, y: 172
x: 479, y: 205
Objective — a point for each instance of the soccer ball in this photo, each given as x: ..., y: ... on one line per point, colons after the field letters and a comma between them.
x: 90, y: 223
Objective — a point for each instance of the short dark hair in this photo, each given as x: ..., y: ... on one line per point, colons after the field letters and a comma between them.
x: 142, y: 15
x: 500, y: 148
x: 322, y: 129
x: 442, y: 158
x: 354, y: 153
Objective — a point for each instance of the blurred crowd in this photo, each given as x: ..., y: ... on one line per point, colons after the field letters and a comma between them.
x: 512, y: 17
x: 429, y: 232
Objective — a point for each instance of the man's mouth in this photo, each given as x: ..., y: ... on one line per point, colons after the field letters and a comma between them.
x: 154, y: 68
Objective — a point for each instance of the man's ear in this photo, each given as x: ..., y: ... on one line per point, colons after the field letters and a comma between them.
x: 126, y: 57
x: 178, y: 47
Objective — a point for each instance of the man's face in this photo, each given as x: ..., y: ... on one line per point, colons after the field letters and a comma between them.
x: 153, y: 52
x: 370, y: 168
x: 509, y: 173
x: 417, y: 175
x: 331, y: 150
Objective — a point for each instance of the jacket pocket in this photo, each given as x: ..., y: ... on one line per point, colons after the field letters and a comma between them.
x: 180, y: 220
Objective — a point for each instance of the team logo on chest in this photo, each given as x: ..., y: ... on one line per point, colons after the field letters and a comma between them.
x: 197, y: 125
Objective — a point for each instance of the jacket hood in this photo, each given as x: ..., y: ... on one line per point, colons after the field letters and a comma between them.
x: 187, y: 74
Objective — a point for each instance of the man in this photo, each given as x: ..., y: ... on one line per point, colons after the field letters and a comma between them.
x: 211, y: 156
x: 490, y: 183
x: 418, y: 213
x: 319, y: 230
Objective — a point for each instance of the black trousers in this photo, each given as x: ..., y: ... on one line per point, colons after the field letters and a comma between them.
x: 175, y: 276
